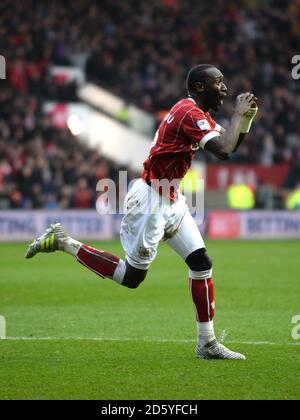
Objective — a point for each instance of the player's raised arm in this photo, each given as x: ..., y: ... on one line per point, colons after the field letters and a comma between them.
x: 244, y: 112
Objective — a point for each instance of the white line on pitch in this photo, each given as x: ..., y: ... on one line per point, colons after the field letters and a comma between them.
x: 147, y: 340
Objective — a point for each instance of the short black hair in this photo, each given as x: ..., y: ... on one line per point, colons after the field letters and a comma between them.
x: 197, y: 74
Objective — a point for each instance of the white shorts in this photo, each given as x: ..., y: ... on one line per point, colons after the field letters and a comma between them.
x: 149, y: 218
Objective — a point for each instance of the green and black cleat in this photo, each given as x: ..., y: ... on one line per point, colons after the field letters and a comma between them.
x: 51, y: 241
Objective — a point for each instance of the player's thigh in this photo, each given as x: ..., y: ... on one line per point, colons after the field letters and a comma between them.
x: 187, y: 238
x: 141, y: 232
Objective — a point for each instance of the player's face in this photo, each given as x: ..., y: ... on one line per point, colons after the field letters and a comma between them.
x: 215, y: 89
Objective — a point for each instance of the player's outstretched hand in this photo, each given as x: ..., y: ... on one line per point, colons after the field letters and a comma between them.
x: 244, y: 102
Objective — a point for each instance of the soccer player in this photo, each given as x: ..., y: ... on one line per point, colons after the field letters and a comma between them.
x: 186, y: 128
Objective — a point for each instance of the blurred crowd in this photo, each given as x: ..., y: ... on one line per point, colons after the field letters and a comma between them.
x: 42, y: 166
x: 140, y: 50
x: 146, y: 49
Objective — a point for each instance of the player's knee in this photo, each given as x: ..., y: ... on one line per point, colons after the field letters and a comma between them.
x: 199, y: 260
x: 133, y: 277
x: 132, y: 283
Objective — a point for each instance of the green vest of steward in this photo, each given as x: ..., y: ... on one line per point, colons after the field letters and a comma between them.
x: 240, y: 197
x: 293, y: 200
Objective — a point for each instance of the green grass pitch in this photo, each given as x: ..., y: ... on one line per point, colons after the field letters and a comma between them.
x: 89, y: 338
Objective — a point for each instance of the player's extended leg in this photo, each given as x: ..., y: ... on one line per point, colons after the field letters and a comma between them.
x: 188, y: 243
x: 103, y: 263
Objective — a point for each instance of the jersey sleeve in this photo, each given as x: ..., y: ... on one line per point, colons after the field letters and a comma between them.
x: 200, y: 129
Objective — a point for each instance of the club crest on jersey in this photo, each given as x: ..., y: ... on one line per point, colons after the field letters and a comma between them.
x: 195, y: 146
x: 203, y: 125
x: 145, y: 252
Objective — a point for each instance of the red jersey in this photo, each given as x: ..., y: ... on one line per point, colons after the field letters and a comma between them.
x: 185, y: 128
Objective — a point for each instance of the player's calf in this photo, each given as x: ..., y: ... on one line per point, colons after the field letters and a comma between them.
x: 107, y: 265
x: 202, y: 291
x: 202, y: 287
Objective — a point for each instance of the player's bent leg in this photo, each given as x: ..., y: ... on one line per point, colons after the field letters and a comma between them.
x: 102, y: 263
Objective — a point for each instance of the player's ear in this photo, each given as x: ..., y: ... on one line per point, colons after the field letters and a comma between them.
x: 199, y: 87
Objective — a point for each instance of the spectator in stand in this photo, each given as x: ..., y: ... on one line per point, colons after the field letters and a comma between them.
x: 83, y: 197
x: 293, y: 199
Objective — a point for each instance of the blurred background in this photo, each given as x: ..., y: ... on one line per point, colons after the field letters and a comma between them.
x: 88, y: 82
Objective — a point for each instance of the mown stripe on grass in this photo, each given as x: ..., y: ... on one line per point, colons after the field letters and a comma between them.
x: 146, y: 339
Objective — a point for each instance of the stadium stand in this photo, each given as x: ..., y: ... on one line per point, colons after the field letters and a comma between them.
x: 140, y: 51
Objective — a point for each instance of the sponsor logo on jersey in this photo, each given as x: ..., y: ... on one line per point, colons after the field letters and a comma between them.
x: 203, y: 125
x: 170, y: 118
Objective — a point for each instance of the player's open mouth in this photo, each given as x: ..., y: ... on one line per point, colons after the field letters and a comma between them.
x: 222, y: 98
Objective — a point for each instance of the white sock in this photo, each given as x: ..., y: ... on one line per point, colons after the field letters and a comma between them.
x: 120, y: 272
x: 71, y: 246
x: 205, y: 332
